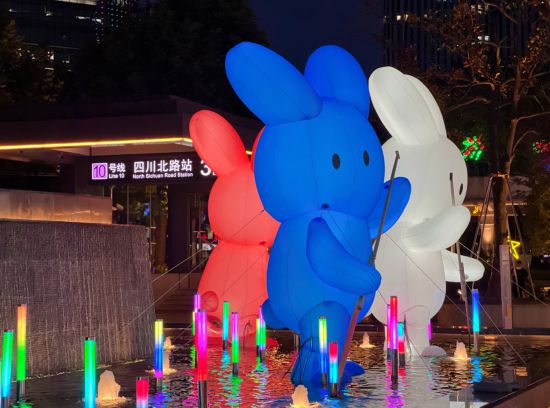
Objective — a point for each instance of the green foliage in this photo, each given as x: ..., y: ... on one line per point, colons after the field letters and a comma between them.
x: 497, y: 77
x: 537, y: 219
x: 25, y: 74
x: 178, y: 48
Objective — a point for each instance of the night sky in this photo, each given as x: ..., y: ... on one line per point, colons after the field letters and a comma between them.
x: 295, y: 28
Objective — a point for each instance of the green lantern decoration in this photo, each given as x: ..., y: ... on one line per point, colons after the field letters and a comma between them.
x: 472, y: 148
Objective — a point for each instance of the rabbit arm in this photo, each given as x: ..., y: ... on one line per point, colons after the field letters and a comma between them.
x: 400, y: 193
x: 438, y: 233
x: 271, y: 317
x: 335, y: 265
x: 473, y: 269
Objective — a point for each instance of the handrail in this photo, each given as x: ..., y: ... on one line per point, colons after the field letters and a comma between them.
x: 538, y: 389
x: 178, y: 264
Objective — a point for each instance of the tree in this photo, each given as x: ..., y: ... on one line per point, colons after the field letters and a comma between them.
x: 501, y: 78
x: 178, y: 47
x: 25, y: 73
x: 537, y: 217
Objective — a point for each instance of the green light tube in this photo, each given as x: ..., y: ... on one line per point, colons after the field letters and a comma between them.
x: 264, y: 336
x: 89, y: 372
x: 225, y: 322
x: 7, y: 352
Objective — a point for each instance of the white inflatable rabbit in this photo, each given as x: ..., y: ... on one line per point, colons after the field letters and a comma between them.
x: 413, y: 258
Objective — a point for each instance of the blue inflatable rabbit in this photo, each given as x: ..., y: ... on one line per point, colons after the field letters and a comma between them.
x: 319, y: 170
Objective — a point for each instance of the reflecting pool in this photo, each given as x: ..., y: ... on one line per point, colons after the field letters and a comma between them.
x: 432, y: 382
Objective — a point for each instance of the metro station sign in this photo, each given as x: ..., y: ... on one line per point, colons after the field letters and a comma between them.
x: 150, y: 169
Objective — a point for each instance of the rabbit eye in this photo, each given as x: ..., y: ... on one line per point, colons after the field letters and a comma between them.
x: 460, y: 189
x: 366, y: 157
x: 335, y: 161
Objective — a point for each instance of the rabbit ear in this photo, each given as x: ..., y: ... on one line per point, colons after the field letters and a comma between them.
x: 334, y: 73
x: 269, y: 85
x: 402, y: 108
x: 431, y: 104
x: 217, y: 142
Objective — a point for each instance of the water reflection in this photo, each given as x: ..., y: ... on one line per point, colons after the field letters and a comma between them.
x: 477, y: 371
x: 428, y: 382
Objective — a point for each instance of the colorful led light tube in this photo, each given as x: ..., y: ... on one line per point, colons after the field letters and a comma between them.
x: 258, y: 336
x: 7, y: 352
x: 142, y: 392
x: 333, y: 368
x: 393, y: 323
x: 333, y: 362
x: 21, y: 370
x: 263, y: 336
x: 89, y: 372
x: 262, y: 331
x: 475, y: 310
x: 235, y: 341
x: 196, y: 307
x: 197, y: 302
x: 429, y: 330
x: 159, y: 348
x: 202, y: 346
x: 225, y: 324
x: 323, y: 352
x: 388, y: 327
x: 401, y: 337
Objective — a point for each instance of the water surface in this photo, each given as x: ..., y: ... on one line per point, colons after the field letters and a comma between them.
x: 435, y: 382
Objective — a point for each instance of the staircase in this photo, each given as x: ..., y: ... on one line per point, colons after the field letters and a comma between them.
x: 176, y: 308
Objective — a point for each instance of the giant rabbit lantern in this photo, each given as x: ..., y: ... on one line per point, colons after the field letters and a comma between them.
x: 319, y: 170
x: 413, y: 257
x: 236, y: 269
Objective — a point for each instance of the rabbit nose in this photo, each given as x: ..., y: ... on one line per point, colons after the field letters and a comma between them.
x: 324, y: 206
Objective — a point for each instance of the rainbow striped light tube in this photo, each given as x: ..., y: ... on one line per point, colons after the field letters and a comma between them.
x: 323, y: 352
x: 159, y: 348
x: 333, y: 368
x: 21, y: 370
x: 401, y: 337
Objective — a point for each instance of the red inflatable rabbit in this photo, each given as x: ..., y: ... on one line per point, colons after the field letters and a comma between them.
x: 236, y: 269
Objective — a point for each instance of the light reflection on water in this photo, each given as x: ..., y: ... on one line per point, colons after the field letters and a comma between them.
x: 429, y: 383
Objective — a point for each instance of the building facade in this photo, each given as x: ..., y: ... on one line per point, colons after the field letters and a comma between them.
x: 399, y: 34
x: 65, y: 26
x: 111, y: 13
